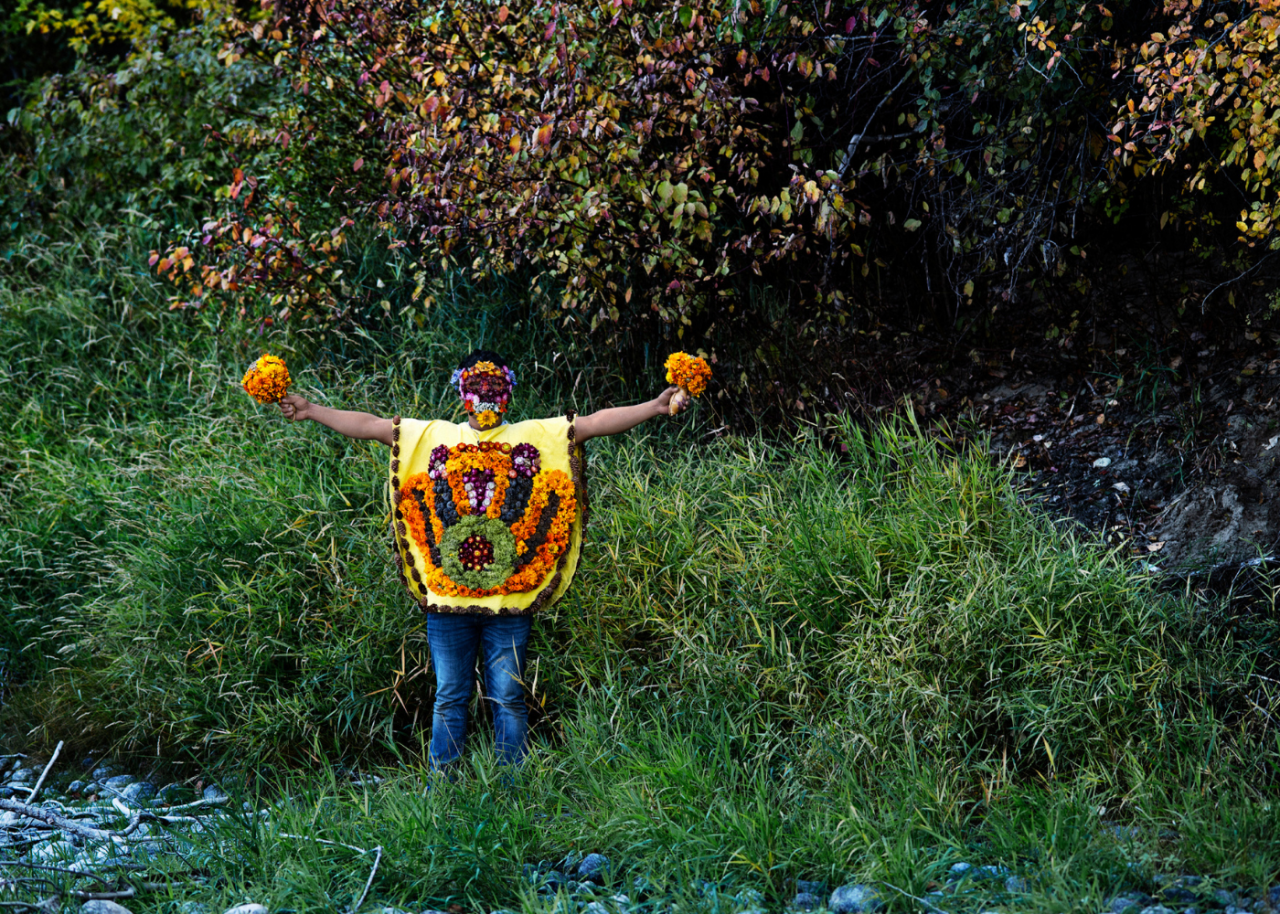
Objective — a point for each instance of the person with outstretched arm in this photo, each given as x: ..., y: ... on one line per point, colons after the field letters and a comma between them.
x: 487, y: 521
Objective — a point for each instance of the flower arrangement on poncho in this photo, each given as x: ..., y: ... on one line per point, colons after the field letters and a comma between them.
x: 267, y: 379
x: 485, y: 389
x: 487, y: 518
x: 688, y: 372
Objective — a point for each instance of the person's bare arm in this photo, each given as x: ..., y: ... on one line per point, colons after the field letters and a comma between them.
x: 361, y: 426
x: 619, y: 419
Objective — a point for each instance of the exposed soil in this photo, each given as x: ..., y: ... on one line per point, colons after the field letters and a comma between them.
x: 1154, y: 436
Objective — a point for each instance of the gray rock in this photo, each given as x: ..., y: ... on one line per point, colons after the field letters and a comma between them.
x: 552, y: 882
x: 594, y: 867
x: 753, y: 898
x: 595, y: 907
x: 390, y: 910
x: 138, y: 792
x: 811, y: 887
x: 192, y: 907
x: 958, y: 870
x: 1232, y: 909
x: 98, y: 906
x: 1177, y: 890
x: 855, y: 898
x: 1015, y: 885
x: 75, y: 787
x: 6, y: 793
x: 1128, y: 903
x: 1273, y: 896
x: 103, y: 772
x: 1157, y: 909
x: 806, y: 901
x: 214, y: 792
x: 250, y: 908
x: 20, y: 775
x: 119, y: 782
x: 173, y: 793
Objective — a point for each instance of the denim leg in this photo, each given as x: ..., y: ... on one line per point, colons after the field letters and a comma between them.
x: 506, y: 639
x: 453, y: 640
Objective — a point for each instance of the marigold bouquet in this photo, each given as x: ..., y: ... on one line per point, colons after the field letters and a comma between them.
x: 688, y: 372
x: 267, y: 379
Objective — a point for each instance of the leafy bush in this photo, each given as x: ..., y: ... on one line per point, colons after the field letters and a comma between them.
x: 139, y: 137
x: 650, y: 161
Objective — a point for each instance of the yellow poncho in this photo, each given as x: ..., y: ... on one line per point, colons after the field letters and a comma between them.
x: 487, y: 521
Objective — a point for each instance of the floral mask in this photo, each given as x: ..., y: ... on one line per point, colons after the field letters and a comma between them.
x: 485, y: 389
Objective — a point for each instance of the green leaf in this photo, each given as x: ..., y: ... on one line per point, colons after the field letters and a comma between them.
x: 912, y: 224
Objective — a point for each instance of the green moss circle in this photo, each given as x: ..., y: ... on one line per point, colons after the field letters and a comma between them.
x: 504, y: 552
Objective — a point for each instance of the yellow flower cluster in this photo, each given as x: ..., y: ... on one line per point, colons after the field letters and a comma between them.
x: 689, y: 372
x: 267, y: 380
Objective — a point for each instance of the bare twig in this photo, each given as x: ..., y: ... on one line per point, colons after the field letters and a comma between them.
x: 49, y: 868
x: 35, y: 791
x: 62, y: 822
x: 350, y: 847
x: 377, y: 851
x: 105, y: 896
x: 928, y: 904
x: 369, y: 882
x: 857, y: 137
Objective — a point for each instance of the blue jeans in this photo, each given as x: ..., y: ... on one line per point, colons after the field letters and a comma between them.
x: 454, y: 640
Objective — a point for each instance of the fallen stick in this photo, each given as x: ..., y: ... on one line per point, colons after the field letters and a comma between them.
x: 928, y: 904
x: 369, y: 882
x: 62, y: 822
x: 31, y: 797
x: 351, y: 847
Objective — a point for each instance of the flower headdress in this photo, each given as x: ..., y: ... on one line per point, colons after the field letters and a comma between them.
x: 485, y: 389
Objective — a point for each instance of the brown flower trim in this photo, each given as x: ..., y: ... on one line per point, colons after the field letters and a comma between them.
x: 395, y: 466
x: 577, y: 463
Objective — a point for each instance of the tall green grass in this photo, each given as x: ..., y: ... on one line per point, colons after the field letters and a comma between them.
x: 780, y: 659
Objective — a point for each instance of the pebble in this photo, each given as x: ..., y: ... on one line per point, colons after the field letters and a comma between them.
x: 1128, y: 903
x: 1015, y: 885
x: 1157, y: 909
x: 806, y: 901
x: 214, y: 792
x: 250, y: 908
x: 811, y: 887
x: 138, y: 792
x: 74, y: 788
x: 101, y: 906
x: 118, y: 782
x: 855, y: 898
x: 594, y: 867
x: 103, y: 772
x: 595, y: 907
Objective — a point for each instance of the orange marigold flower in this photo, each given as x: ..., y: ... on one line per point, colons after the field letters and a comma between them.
x: 689, y: 372
x: 267, y: 379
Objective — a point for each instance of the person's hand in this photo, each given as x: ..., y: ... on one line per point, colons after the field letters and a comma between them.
x: 295, y: 407
x: 664, y: 401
